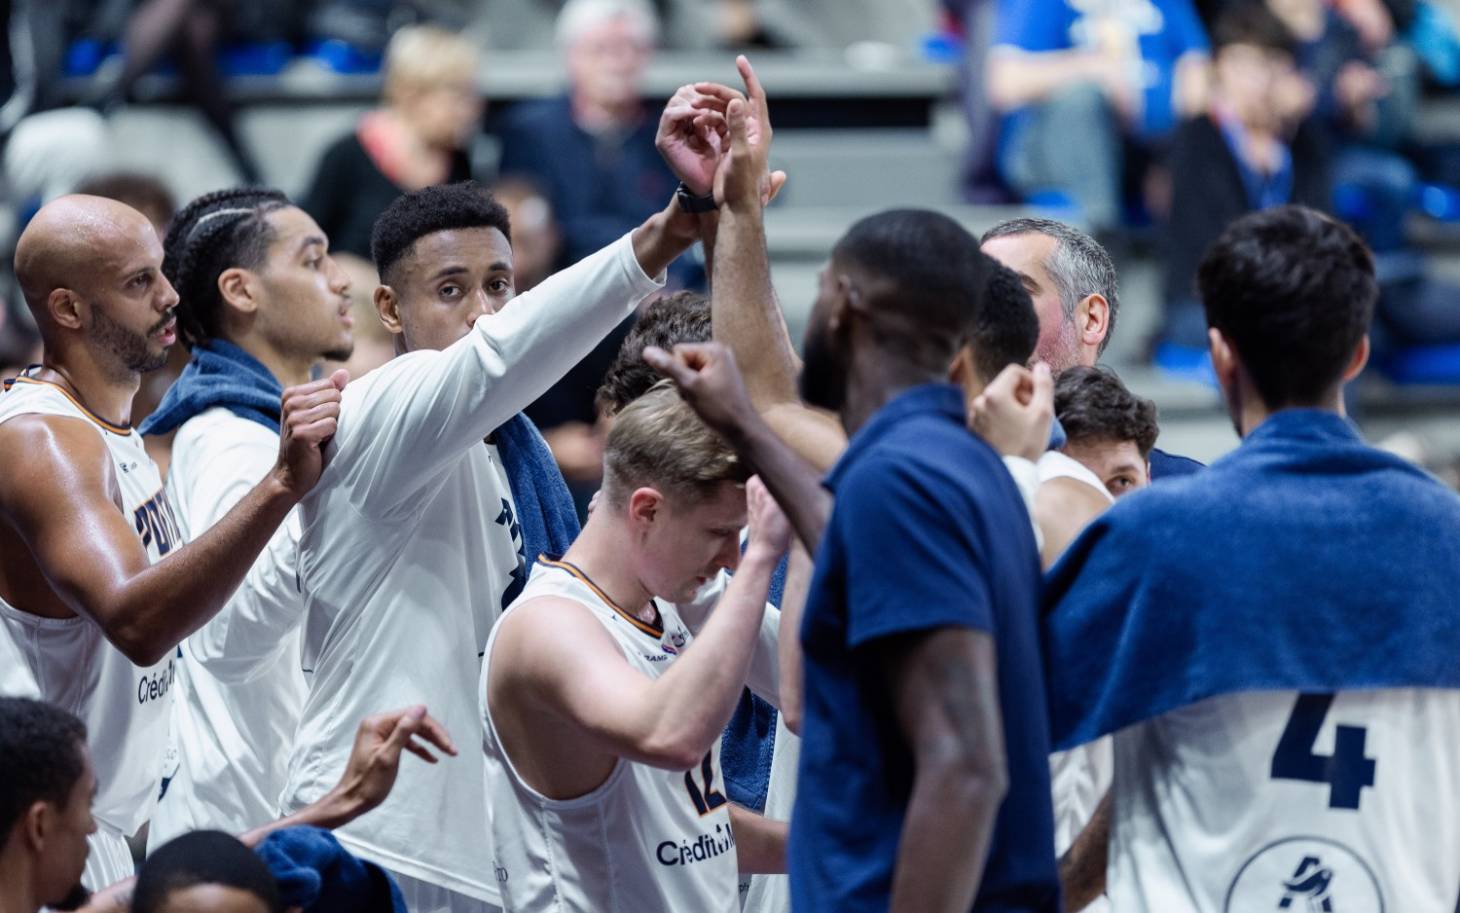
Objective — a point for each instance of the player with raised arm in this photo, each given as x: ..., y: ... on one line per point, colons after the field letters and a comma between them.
x: 604, y: 712
x: 96, y: 586
x: 439, y: 494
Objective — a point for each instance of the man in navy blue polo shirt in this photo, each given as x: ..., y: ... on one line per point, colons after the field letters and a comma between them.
x: 924, y: 778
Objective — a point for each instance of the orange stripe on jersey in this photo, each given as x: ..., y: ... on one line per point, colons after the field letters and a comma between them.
x: 654, y: 631
x: 123, y: 430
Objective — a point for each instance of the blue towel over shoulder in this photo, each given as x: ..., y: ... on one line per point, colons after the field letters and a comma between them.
x: 220, y: 375
x: 1305, y: 560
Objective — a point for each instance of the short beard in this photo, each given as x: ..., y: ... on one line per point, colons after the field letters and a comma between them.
x: 823, y: 379
x: 75, y: 899
x: 341, y: 354
x: 131, y: 349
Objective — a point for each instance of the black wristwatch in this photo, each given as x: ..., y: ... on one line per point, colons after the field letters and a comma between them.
x: 692, y: 202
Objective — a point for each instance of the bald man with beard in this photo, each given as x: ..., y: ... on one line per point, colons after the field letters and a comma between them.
x: 96, y: 588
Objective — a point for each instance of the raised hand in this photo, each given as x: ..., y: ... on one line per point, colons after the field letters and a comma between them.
x: 692, y: 135
x: 709, y: 381
x: 1013, y: 414
x: 746, y: 163
x: 311, y: 413
x: 769, y: 528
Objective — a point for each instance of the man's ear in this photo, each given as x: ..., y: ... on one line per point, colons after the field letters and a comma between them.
x: 963, y: 373
x: 1359, y: 360
x: 387, y: 305
x: 236, y: 288
x: 1225, y: 363
x: 35, y: 825
x: 645, y: 505
x: 1092, y: 320
x: 65, y: 308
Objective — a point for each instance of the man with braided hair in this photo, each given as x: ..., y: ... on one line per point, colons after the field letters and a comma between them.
x: 97, y: 587
x: 261, y: 304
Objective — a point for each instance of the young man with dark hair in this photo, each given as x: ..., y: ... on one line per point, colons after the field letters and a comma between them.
x: 205, y: 870
x: 48, y: 785
x: 261, y: 304
x: 97, y: 586
x: 598, y: 697
x: 673, y: 319
x: 924, y: 778
x: 1278, y: 663
x: 1108, y: 429
x: 46, y: 788
x: 440, y: 494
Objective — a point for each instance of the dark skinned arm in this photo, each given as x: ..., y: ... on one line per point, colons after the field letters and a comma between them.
x: 1082, y: 867
x: 945, y: 693
x: 60, y: 497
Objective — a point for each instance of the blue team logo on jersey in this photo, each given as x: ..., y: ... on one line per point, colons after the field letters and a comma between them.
x: 1305, y: 875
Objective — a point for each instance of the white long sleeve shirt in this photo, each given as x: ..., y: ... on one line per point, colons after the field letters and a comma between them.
x: 232, y: 733
x: 409, y: 545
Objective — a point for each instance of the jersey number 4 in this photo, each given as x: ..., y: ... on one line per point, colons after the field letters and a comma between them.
x: 1346, y: 771
x: 708, y: 799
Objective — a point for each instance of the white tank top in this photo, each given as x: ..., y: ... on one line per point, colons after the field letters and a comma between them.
x: 1346, y: 803
x: 647, y: 840
x: 1055, y: 465
x: 125, y: 707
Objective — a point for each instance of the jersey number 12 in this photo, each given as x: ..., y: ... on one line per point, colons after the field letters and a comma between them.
x: 708, y: 799
x: 1346, y: 771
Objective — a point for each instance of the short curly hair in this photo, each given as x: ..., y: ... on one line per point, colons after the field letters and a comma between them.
x: 42, y: 757
x: 1092, y: 404
x: 673, y: 319
x: 214, y: 233
x: 413, y: 216
x: 1006, y: 329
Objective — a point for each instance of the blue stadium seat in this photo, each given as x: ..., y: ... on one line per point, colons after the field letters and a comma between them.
x: 342, y: 57
x: 1185, y: 363
x: 1429, y: 365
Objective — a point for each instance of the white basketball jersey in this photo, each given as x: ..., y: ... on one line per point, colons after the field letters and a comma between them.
x: 647, y: 840
x: 125, y: 707
x: 1274, y: 801
x: 1053, y: 464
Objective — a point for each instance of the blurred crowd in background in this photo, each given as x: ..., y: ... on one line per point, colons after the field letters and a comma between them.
x: 1151, y: 122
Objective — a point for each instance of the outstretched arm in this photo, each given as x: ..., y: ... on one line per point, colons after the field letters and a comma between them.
x: 60, y: 496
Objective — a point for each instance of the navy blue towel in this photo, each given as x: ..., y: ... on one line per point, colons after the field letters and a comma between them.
x: 220, y: 374
x: 314, y: 872
x: 748, y: 745
x: 545, y: 509
x: 1305, y: 560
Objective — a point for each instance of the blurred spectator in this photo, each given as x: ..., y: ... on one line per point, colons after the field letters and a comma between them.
x: 1090, y: 90
x: 592, y: 150
x: 536, y: 240
x: 192, y: 30
x: 1108, y: 429
x: 1254, y: 148
x: 153, y: 199
x: 418, y: 138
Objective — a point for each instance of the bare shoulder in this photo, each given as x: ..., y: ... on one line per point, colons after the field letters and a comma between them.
x: 545, y: 633
x: 54, y: 456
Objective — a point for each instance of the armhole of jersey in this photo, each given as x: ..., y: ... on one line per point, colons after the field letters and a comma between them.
x: 590, y: 798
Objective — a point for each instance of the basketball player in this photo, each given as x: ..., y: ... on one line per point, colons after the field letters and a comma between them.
x: 1272, y: 641
x: 1108, y: 429
x: 439, y: 495
x: 96, y: 585
x: 261, y: 303
x: 924, y: 781
x: 604, y: 712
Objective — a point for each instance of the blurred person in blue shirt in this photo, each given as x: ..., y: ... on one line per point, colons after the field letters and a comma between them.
x: 592, y: 149
x: 1086, y: 87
